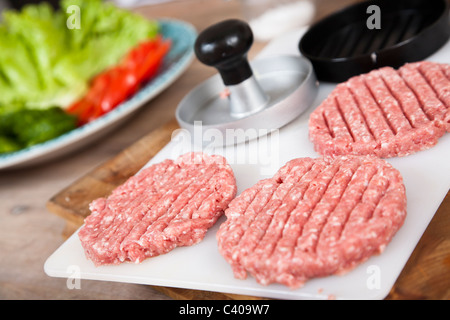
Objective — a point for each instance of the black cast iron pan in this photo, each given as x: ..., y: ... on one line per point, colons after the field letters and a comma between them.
x: 342, y: 45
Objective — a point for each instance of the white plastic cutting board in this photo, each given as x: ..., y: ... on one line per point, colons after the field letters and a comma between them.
x: 427, y: 179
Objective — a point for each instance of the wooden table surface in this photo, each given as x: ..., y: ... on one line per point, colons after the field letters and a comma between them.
x: 29, y: 233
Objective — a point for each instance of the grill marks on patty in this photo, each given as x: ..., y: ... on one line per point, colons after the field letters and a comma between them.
x: 313, y: 218
x: 166, y: 205
x: 385, y: 112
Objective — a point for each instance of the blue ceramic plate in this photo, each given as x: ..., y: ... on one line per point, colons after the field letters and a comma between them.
x: 182, y: 35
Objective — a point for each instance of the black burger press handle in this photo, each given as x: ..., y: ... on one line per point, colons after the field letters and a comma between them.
x: 224, y: 46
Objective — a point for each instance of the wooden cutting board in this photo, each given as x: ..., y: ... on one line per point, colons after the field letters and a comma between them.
x: 425, y: 276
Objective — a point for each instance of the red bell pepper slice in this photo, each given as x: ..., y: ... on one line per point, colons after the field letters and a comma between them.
x: 116, y: 84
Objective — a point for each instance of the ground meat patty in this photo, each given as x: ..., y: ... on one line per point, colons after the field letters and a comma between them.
x: 166, y: 205
x: 315, y: 217
x: 385, y: 112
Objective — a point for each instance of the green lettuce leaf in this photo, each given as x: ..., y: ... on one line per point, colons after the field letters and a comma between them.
x: 44, y: 63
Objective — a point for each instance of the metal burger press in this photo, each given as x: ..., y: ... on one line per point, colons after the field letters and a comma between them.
x: 259, y: 97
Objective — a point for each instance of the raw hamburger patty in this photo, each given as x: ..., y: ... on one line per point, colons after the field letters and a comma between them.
x: 166, y: 205
x: 314, y: 218
x: 385, y: 112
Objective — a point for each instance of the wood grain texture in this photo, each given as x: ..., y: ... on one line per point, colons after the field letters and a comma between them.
x: 426, y: 276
